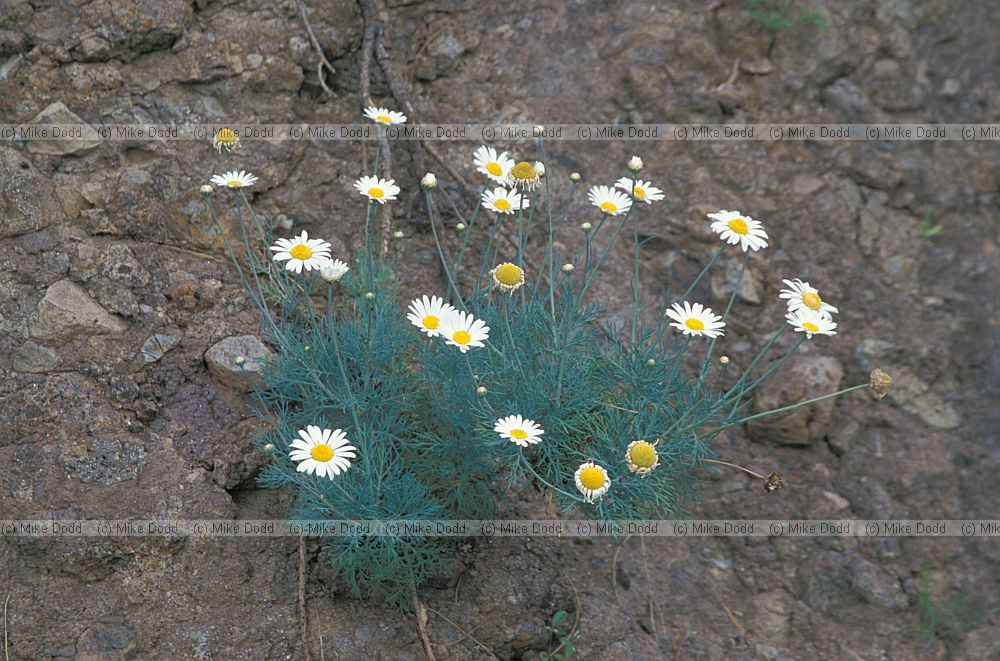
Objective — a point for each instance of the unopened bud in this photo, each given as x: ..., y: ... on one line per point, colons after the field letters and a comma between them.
x: 481, y: 390
x: 650, y: 362
x: 460, y: 226
x: 880, y: 382
x: 585, y: 227
x: 567, y: 268
x: 370, y: 295
x: 269, y: 447
x: 398, y: 236
x: 429, y: 181
x: 575, y: 177
x: 205, y: 190
x: 723, y: 360
x: 635, y: 164
x: 240, y: 361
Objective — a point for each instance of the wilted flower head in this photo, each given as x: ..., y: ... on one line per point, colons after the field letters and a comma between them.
x: 333, y: 270
x: 225, y: 137
x: 880, y: 382
x: 507, y: 276
x: 524, y: 175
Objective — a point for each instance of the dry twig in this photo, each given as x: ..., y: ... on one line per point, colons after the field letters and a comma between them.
x: 421, y: 612
x: 323, y: 62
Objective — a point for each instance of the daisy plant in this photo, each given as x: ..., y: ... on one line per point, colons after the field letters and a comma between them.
x: 505, y: 373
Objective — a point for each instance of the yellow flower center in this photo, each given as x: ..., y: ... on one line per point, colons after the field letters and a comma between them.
x: 509, y: 274
x: 377, y: 193
x: 235, y: 183
x: 385, y: 119
x: 639, y: 191
x: 524, y: 171
x: 494, y: 169
x: 430, y: 321
x: 519, y: 434
x: 322, y: 452
x: 502, y: 205
x: 226, y: 137
x: 462, y: 337
x: 608, y: 207
x: 738, y: 225
x: 301, y: 251
x: 695, y: 324
x: 642, y: 455
x: 592, y: 478
x: 812, y: 301
x: 811, y: 327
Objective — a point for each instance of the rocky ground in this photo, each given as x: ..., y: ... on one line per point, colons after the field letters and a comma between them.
x: 115, y: 304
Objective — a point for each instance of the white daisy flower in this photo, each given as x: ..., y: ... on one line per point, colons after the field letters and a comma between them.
x: 801, y: 296
x: 301, y: 252
x: 234, y: 179
x: 384, y: 115
x: 525, y: 176
x: 376, y: 189
x: 333, y: 270
x: 811, y: 322
x: 322, y: 452
x: 696, y: 320
x: 463, y: 330
x: 507, y: 276
x: 610, y: 201
x: 495, y: 166
x: 428, y: 313
x: 519, y: 430
x: 644, y: 191
x: 641, y: 457
x: 592, y: 481
x: 733, y: 227
x: 502, y: 200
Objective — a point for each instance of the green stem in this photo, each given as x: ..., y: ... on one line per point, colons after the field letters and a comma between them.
x: 437, y: 243
x: 790, y: 408
x: 468, y: 231
x: 541, y: 479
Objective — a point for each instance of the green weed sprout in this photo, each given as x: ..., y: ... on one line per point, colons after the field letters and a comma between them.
x: 510, y: 374
x: 778, y: 15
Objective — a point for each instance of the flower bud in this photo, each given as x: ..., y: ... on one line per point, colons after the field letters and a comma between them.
x: 650, y: 362
x: 205, y: 190
x: 538, y: 131
x: 398, y: 235
x: 635, y: 164
x: 240, y: 361
x: 481, y: 390
x: 429, y: 181
x: 585, y: 227
x: 723, y: 360
x: 575, y: 177
x: 460, y: 226
x: 567, y: 268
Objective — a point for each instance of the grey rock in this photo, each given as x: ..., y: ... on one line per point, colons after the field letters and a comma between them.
x: 222, y: 360
x: 915, y: 396
x: 724, y: 281
x: 981, y: 644
x: 802, y: 377
x: 81, y: 137
x: 28, y: 201
x: 67, y: 310
x: 104, y: 460
x: 155, y: 347
x: 876, y: 585
x: 106, y: 641
x: 121, y: 265
x: 32, y: 357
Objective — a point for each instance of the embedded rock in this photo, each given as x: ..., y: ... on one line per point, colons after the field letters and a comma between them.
x: 67, y: 310
x: 28, y: 201
x: 80, y: 136
x: 224, y: 357
x: 801, y: 378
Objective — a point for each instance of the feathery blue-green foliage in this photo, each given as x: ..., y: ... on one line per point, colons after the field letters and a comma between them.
x: 421, y: 413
